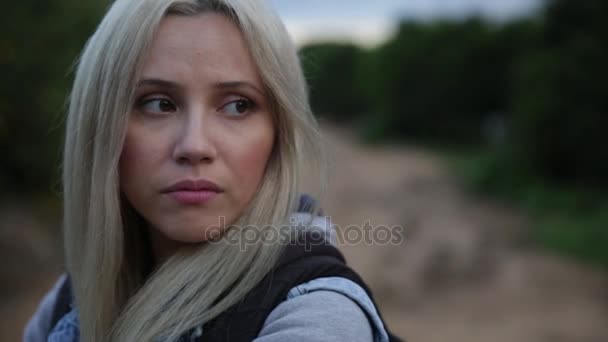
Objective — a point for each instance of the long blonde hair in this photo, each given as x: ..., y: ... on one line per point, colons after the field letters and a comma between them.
x: 105, y: 243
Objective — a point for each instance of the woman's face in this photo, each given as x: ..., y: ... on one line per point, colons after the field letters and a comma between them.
x: 201, y: 117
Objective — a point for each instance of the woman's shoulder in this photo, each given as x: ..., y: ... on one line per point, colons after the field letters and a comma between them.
x: 327, y: 308
x: 67, y: 328
x: 320, y: 296
x: 47, y: 313
x: 311, y: 280
x: 317, y: 316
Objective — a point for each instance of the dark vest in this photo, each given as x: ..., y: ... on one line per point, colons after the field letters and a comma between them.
x: 308, y: 258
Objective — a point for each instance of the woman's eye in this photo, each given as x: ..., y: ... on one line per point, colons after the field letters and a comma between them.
x: 158, y: 105
x: 238, y: 107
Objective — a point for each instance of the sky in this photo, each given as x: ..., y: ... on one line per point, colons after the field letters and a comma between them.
x: 369, y: 22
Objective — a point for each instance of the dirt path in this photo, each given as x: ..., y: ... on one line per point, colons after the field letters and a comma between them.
x: 460, y: 274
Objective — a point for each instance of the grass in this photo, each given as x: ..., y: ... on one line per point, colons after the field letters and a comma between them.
x: 568, y: 219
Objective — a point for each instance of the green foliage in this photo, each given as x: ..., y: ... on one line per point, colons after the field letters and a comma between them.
x: 332, y: 71
x: 568, y: 219
x: 435, y: 81
x: 583, y: 237
x: 39, y: 42
x: 555, y: 164
x: 491, y: 170
x: 560, y: 98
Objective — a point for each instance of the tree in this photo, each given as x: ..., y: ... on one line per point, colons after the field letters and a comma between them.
x: 332, y: 72
x: 560, y: 97
x: 39, y: 42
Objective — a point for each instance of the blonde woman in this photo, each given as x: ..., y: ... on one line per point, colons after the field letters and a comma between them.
x: 187, y: 135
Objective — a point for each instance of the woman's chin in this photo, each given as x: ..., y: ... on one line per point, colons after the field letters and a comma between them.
x: 193, y: 232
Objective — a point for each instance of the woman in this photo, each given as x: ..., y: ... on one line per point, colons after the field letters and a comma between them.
x: 189, y: 121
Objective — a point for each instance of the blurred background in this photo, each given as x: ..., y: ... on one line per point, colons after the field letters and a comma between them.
x: 477, y: 125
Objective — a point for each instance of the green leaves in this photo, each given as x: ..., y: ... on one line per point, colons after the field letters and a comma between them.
x: 39, y: 42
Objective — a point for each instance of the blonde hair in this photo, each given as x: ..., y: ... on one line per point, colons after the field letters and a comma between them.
x: 105, y: 243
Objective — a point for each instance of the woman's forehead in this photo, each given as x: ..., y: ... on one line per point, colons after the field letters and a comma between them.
x: 208, y: 44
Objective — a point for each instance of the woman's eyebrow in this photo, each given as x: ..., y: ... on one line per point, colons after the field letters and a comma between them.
x: 159, y: 82
x: 237, y: 85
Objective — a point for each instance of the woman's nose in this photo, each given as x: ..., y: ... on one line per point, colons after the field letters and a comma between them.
x: 194, y: 144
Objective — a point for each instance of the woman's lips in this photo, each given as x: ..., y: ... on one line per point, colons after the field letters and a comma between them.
x: 193, y: 196
x: 193, y: 191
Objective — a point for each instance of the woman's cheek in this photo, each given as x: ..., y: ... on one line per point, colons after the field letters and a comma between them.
x: 250, y: 157
x: 143, y: 147
x: 137, y: 160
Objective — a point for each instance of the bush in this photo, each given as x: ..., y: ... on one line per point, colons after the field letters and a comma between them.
x: 39, y: 42
x: 332, y: 73
x: 559, y: 99
x: 439, y: 82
